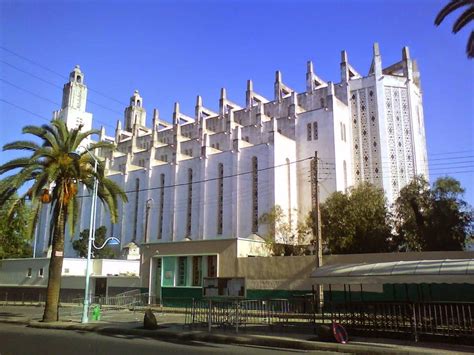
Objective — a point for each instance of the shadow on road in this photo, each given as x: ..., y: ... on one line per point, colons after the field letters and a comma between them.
x: 190, y: 343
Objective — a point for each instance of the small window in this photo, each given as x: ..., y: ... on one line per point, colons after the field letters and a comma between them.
x: 344, y: 131
x: 29, y: 272
x: 308, y: 131
x: 41, y: 272
x: 66, y: 270
x: 197, y: 270
x: 182, y: 264
x: 212, y: 266
x: 315, y: 130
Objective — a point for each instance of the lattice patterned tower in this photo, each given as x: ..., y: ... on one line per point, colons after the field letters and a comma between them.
x: 388, y: 134
x: 73, y: 107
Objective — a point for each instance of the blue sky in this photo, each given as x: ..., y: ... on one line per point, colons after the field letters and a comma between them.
x: 173, y: 51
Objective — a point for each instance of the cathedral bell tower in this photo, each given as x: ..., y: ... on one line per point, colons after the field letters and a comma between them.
x: 73, y: 107
x: 135, y: 114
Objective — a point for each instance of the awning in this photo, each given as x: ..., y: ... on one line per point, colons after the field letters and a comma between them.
x: 419, y: 271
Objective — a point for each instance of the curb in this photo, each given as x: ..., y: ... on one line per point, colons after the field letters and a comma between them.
x: 256, y: 340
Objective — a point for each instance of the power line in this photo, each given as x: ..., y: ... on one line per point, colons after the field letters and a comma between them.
x: 452, y: 163
x: 55, y: 85
x: 29, y: 92
x: 56, y: 73
x: 24, y: 109
x: 454, y: 158
x: 447, y: 153
x: 210, y: 179
x: 45, y: 99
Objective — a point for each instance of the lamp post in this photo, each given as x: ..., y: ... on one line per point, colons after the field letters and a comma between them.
x: 91, y: 242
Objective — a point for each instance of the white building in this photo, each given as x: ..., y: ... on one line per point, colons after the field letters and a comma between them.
x: 27, y: 278
x: 210, y: 176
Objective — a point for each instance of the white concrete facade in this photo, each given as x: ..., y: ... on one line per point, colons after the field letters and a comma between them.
x: 210, y: 176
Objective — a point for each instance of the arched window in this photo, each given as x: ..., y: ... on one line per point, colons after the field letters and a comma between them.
x: 254, y: 195
x: 161, y: 209
x: 190, y: 203
x: 220, y: 198
x: 79, y: 79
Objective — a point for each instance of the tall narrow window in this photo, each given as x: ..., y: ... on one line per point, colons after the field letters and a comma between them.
x: 182, y: 265
x: 135, y: 216
x: 288, y: 172
x: 212, y: 266
x: 190, y: 202
x: 220, y: 198
x: 344, y: 165
x: 254, y: 195
x: 197, y: 270
x: 308, y: 131
x: 344, y: 131
x: 315, y: 130
x: 162, y: 200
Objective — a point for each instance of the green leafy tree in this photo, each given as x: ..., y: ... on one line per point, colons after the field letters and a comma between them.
x: 466, y: 17
x: 357, y: 222
x: 436, y: 218
x: 82, y: 244
x: 281, y: 238
x: 15, y: 237
x: 52, y: 176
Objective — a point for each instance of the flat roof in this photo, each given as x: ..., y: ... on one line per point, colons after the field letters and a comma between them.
x: 418, y: 271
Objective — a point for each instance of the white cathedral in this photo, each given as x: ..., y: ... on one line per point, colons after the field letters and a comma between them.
x: 206, y: 179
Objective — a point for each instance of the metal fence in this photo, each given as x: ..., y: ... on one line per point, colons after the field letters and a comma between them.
x: 258, y: 314
x: 431, y: 319
x: 398, y: 319
x: 20, y: 298
x: 124, y: 300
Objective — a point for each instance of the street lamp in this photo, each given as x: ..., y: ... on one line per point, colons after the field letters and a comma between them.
x: 91, y: 243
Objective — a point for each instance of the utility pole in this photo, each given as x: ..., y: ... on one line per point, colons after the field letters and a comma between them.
x: 317, y: 223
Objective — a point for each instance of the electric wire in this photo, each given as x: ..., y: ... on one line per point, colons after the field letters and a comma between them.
x: 56, y: 73
x: 56, y: 86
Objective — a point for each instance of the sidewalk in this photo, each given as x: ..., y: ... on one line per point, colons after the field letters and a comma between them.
x: 171, y: 326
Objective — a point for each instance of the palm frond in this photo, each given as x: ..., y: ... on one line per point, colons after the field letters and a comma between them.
x: 61, y: 132
x: 464, y: 19
x: 103, y: 145
x: 21, y: 145
x: 453, y: 5
x: 81, y: 136
x: 34, y: 130
x: 15, y: 164
x: 470, y: 46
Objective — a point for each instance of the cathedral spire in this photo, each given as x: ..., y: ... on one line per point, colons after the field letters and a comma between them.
x: 73, y: 106
x: 135, y: 114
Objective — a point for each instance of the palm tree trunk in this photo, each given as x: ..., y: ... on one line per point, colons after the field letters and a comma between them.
x: 51, y: 310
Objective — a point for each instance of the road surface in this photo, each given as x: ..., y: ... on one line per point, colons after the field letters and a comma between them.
x: 22, y: 340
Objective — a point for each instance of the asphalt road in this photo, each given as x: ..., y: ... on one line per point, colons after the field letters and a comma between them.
x: 21, y: 340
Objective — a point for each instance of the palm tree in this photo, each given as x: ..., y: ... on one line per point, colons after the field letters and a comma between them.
x: 466, y: 17
x: 52, y: 176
